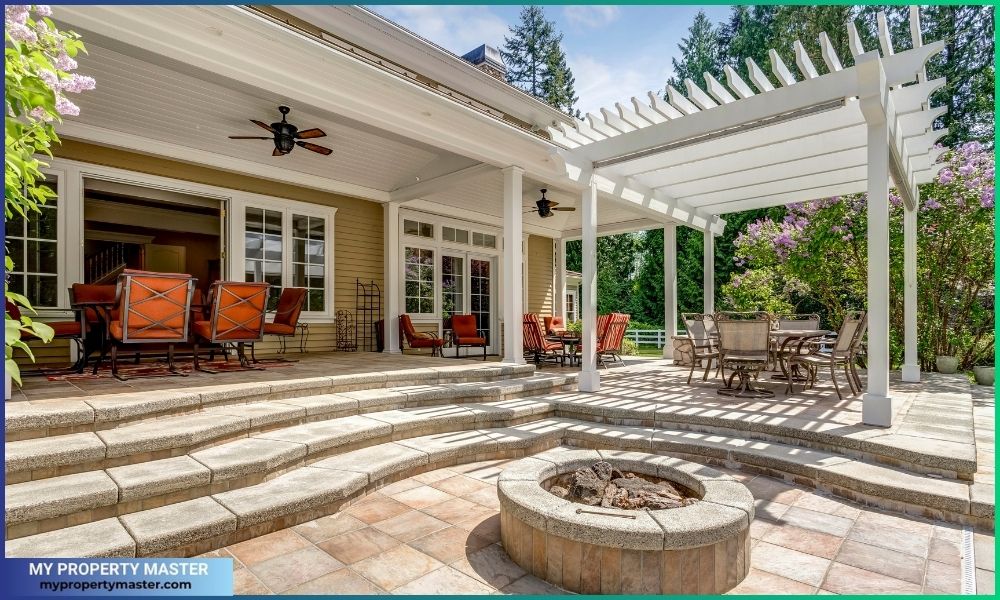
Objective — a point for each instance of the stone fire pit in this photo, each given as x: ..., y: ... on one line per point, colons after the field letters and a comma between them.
x: 700, y: 548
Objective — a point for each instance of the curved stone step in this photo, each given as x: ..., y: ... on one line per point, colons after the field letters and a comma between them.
x: 40, y: 418
x: 196, y: 526
x: 151, y: 439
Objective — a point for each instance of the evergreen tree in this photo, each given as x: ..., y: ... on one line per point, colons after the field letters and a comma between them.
x: 558, y: 86
x: 536, y: 62
x: 747, y: 34
x: 700, y: 54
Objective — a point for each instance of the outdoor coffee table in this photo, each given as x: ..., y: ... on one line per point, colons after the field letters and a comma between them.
x: 788, y: 337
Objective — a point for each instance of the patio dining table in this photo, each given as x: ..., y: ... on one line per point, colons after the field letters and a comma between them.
x: 797, y: 337
x: 569, y: 340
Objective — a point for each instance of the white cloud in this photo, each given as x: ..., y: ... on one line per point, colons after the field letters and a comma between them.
x: 599, y: 84
x: 591, y: 16
x: 457, y: 28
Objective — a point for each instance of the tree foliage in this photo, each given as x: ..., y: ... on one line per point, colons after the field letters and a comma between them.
x: 38, y: 65
x: 700, y: 53
x: 535, y: 60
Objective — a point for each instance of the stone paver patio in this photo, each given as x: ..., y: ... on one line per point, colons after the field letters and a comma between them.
x: 438, y: 533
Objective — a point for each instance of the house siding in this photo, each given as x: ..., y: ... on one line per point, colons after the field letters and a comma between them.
x: 540, y: 285
x: 358, y: 240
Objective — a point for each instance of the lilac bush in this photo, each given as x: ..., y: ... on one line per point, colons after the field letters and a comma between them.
x: 817, y: 254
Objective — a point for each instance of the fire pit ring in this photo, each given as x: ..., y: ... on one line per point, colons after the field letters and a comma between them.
x: 703, y: 548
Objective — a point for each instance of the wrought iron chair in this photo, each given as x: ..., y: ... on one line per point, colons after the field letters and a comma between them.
x: 744, y: 343
x: 236, y: 316
x: 844, y: 354
x: 703, y: 336
x: 791, y: 322
x: 74, y: 331
x: 466, y: 333
x: 152, y: 308
x: 286, y: 319
x: 417, y: 339
x: 535, y: 343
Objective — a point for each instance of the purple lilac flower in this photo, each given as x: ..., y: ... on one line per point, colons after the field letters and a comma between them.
x: 43, y: 10
x: 66, y: 108
x: 21, y: 33
x: 65, y: 62
x: 987, y: 198
x: 946, y: 176
x: 895, y: 200
x: 931, y: 204
x: 966, y: 170
x: 77, y: 83
x: 16, y: 14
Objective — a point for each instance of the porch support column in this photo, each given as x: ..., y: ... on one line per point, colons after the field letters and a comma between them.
x: 669, y: 287
x: 911, y: 364
x: 709, y: 272
x: 877, y: 404
x: 390, y: 272
x: 590, y: 379
x: 560, y: 287
x: 513, y: 260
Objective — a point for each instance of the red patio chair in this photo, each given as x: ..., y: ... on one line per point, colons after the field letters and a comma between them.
x: 465, y: 333
x: 62, y: 330
x: 286, y: 318
x: 152, y: 308
x: 535, y: 343
x: 236, y: 316
x: 94, y: 299
x: 418, y: 339
x: 554, y: 325
x: 610, y: 343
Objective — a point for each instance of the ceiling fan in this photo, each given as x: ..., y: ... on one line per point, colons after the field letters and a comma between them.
x: 546, y: 206
x: 287, y: 136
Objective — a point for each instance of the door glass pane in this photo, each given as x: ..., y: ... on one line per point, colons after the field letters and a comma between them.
x: 309, y: 259
x: 452, y: 286
x: 263, y: 239
x: 33, y: 246
x: 418, y: 274
x: 482, y: 271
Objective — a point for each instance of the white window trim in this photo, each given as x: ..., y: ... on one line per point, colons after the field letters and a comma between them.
x: 72, y: 173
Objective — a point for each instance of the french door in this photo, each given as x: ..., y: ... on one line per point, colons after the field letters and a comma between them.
x: 468, y: 283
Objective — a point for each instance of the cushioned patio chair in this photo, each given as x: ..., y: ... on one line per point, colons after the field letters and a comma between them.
x: 417, y: 339
x: 703, y: 338
x: 843, y: 354
x: 94, y: 299
x: 465, y: 333
x: 744, y: 344
x: 286, y: 319
x: 236, y: 316
x: 791, y: 322
x: 554, y: 325
x: 152, y: 308
x: 535, y: 343
x: 74, y: 331
x: 609, y: 345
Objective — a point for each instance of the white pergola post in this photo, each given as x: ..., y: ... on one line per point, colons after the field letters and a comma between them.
x: 513, y: 283
x: 390, y: 274
x: 669, y: 287
x: 911, y: 364
x: 560, y: 287
x: 590, y: 379
x: 709, y: 273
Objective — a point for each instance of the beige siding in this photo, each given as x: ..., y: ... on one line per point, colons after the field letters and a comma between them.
x: 540, y: 288
x: 357, y: 227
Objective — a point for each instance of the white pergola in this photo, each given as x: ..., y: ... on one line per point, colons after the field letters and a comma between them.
x: 736, y: 146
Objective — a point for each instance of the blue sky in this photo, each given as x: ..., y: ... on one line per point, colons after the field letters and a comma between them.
x: 615, y: 52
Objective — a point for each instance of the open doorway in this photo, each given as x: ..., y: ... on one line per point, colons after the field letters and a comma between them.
x: 133, y: 227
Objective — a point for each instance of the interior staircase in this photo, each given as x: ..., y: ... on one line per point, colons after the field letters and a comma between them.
x: 182, y: 472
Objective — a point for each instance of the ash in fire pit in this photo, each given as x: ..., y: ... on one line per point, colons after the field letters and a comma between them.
x: 604, y: 485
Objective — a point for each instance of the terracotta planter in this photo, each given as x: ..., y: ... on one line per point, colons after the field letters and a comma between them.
x: 947, y: 364
x: 984, y: 375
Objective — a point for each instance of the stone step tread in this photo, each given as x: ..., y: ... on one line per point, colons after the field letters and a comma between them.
x: 185, y: 430
x: 112, y: 407
x: 55, y: 496
x: 107, y: 538
x: 108, y: 409
x: 158, y: 477
x: 159, y: 529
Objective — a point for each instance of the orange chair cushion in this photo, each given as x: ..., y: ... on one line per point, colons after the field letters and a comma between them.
x: 61, y: 329
x: 471, y: 341
x: 425, y: 342
x: 278, y: 329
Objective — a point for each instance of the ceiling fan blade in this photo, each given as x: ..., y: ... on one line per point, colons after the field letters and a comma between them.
x: 277, y: 153
x: 565, y: 208
x: 309, y: 134
x: 248, y: 137
x: 315, y: 148
x: 262, y: 124
x: 553, y: 203
x: 531, y: 211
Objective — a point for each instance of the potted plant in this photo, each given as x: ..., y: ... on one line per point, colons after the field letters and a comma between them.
x: 984, y: 374
x: 946, y: 364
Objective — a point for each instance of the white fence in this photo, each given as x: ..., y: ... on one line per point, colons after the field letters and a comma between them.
x: 649, y: 337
